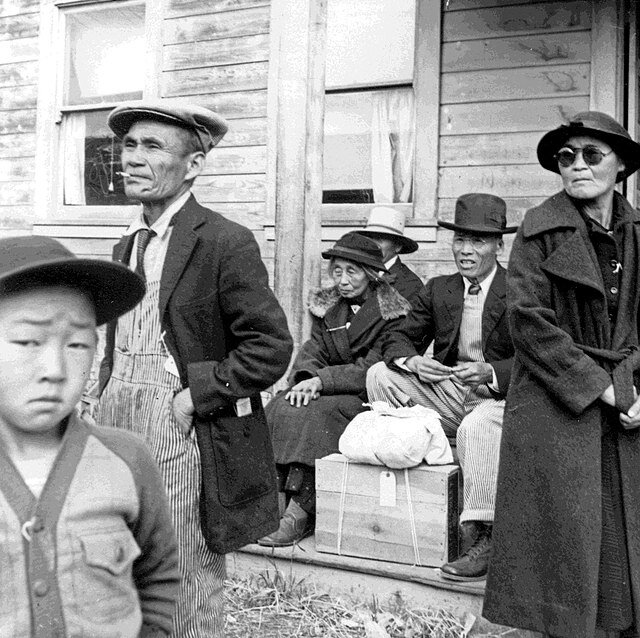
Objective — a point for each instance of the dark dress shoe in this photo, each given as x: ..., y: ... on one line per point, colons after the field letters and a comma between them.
x: 474, y: 563
x: 294, y: 526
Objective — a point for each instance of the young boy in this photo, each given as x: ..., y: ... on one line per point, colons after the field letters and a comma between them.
x: 87, y: 547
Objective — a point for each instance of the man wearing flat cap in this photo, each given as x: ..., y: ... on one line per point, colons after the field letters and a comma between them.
x: 385, y: 226
x: 466, y: 379
x: 185, y: 368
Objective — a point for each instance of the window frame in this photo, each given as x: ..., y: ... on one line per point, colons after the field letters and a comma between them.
x: 423, y: 210
x: 48, y: 196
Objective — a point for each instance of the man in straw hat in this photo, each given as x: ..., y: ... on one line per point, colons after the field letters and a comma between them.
x: 185, y: 369
x: 386, y: 227
x: 467, y: 377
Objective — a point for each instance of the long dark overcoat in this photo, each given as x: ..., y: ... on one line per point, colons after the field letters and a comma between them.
x: 229, y: 337
x: 340, y: 351
x: 547, y: 530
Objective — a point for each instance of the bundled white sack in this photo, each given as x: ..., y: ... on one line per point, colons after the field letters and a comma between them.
x: 396, y: 437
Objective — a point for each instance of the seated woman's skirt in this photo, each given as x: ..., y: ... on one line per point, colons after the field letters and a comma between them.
x: 302, y: 435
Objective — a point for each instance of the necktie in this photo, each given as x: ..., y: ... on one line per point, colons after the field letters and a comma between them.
x: 144, y: 237
x: 474, y: 289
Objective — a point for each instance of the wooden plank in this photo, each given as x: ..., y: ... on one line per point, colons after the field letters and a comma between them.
x: 215, y: 26
x: 249, y: 132
x: 495, y: 148
x: 230, y: 188
x: 515, y: 84
x: 535, y: 18
x: 18, y: 7
x: 177, y: 8
x: 17, y: 218
x: 459, y: 5
x: 21, y: 26
x: 16, y: 193
x: 229, y: 160
x: 503, y: 117
x: 17, y: 121
x: 235, y: 105
x: 607, y: 64
x: 23, y: 97
x: 504, y: 181
x: 22, y: 50
x: 18, y: 169
x: 235, y: 77
x: 18, y: 74
x: 22, y: 145
x: 191, y: 55
x: 496, y: 53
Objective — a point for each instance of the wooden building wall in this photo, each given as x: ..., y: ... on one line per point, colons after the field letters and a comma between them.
x: 18, y: 89
x: 510, y: 72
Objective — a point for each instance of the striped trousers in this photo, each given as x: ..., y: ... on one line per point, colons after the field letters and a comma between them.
x: 139, y: 398
x: 475, y: 418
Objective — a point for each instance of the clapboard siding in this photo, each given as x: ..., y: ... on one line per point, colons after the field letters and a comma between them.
x: 18, y: 74
x: 249, y: 132
x: 19, y: 26
x: 233, y: 77
x: 178, y: 8
x: 18, y: 7
x: 22, y: 145
x: 488, y: 149
x: 229, y: 160
x: 23, y: 97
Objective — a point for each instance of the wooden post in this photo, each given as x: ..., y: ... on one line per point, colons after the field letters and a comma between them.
x: 296, y: 113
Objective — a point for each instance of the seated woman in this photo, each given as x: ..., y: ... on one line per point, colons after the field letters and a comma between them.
x: 327, y: 385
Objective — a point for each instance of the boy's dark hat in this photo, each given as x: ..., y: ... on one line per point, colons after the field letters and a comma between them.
x: 357, y: 248
x: 32, y: 260
x: 480, y: 213
x: 593, y: 124
x: 389, y: 222
x: 208, y: 126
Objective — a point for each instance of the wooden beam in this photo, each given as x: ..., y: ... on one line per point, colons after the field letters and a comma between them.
x: 606, y: 60
x: 298, y: 51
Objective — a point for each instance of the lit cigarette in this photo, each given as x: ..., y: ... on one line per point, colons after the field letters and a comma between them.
x: 123, y: 174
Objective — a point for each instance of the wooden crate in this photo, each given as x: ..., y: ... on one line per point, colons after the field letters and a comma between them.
x: 371, y: 518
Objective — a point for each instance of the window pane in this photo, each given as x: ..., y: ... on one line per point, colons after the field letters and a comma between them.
x: 369, y: 42
x: 368, y: 146
x: 105, y: 55
x: 91, y: 159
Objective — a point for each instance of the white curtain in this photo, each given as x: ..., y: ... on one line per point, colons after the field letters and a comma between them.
x: 73, y: 139
x: 392, y: 143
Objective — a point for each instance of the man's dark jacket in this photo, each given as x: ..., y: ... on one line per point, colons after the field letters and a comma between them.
x: 229, y: 337
x: 405, y: 281
x: 436, y: 316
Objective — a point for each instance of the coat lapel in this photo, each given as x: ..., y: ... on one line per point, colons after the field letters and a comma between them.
x: 122, y: 250
x: 182, y: 242
x: 494, y: 305
x: 364, y: 319
x: 336, y: 332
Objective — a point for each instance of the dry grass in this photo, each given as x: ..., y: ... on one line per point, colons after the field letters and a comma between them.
x: 272, y: 605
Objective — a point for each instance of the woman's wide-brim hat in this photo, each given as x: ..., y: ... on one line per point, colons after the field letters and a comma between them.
x: 389, y: 222
x: 31, y: 261
x: 592, y: 124
x: 358, y: 249
x: 481, y: 214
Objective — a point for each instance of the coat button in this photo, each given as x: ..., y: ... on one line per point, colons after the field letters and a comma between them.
x: 40, y: 588
x: 614, y: 290
x: 119, y: 554
x: 38, y: 525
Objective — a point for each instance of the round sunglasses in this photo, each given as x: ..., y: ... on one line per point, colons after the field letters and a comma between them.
x: 591, y: 155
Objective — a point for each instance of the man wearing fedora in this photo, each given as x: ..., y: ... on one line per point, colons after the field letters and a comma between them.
x: 467, y: 377
x: 386, y: 227
x: 185, y: 368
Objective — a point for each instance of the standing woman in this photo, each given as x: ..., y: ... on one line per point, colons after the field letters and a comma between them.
x: 327, y: 385
x: 567, y: 530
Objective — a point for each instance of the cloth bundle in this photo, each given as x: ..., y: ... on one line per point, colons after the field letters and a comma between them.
x: 396, y: 437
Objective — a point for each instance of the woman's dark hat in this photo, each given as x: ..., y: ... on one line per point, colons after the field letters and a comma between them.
x: 357, y: 248
x: 480, y: 213
x: 208, y: 126
x: 593, y: 124
x: 32, y: 260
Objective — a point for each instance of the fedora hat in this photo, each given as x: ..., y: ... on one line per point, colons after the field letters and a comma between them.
x: 389, y: 222
x: 208, y: 126
x: 593, y: 124
x: 480, y: 213
x: 31, y: 260
x: 357, y: 248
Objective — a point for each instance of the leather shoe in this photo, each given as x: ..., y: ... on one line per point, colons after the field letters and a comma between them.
x: 294, y: 526
x: 474, y: 563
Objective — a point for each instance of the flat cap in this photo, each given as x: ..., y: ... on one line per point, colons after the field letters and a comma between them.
x: 208, y: 126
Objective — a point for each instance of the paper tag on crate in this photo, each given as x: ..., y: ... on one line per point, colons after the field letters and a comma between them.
x: 387, y: 489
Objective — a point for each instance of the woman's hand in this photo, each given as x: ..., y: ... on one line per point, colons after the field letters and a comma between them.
x: 304, y: 391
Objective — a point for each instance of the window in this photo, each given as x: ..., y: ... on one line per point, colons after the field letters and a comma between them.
x: 103, y: 65
x: 369, y: 130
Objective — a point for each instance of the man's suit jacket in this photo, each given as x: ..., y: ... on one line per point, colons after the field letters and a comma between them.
x: 405, y: 281
x: 229, y: 338
x: 436, y: 316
